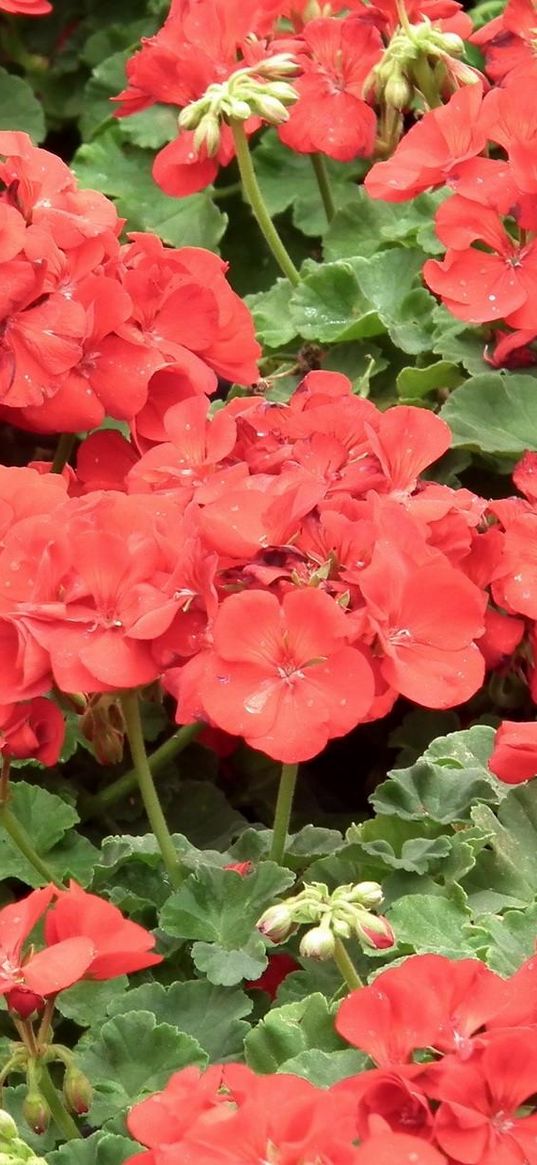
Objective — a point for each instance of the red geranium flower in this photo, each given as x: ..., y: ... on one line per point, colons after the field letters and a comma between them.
x: 34, y: 729
x: 119, y: 946
x: 331, y: 115
x: 514, y: 758
x: 281, y: 676
x: 32, y: 977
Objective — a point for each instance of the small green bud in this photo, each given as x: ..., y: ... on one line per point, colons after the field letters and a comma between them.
x: 77, y: 1090
x: 269, y: 108
x: 374, y: 930
x: 368, y: 894
x: 207, y: 134
x: 397, y: 92
x: 36, y: 1112
x: 280, y: 65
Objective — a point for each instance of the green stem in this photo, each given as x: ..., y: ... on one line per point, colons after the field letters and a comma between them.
x: 64, y: 448
x: 91, y: 806
x: 150, y: 798
x: 424, y: 78
x: 255, y: 198
x: 59, y: 1114
x: 346, y: 967
x: 23, y: 842
x: 282, y: 815
x: 323, y: 182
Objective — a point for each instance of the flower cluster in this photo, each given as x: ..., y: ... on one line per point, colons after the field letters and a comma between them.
x: 242, y: 558
x: 489, y: 223
x: 230, y: 60
x: 454, y: 1080
x: 86, y: 323
x: 85, y: 936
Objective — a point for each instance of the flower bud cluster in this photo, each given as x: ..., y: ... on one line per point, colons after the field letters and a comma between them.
x: 254, y: 91
x: 417, y: 53
x: 13, y: 1150
x: 345, y: 913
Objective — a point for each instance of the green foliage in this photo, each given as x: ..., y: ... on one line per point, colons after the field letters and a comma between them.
x: 219, y: 909
x: 494, y: 413
x: 133, y: 1056
x: 19, y: 108
x: 49, y: 821
x: 288, y: 1031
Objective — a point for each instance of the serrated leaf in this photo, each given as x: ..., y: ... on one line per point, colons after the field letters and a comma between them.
x: 444, y: 783
x: 101, y: 1148
x: 505, y: 874
x: 132, y: 1057
x: 19, y: 107
x: 49, y: 821
x: 213, y: 1015
x: 123, y: 172
x: 512, y: 938
x: 219, y: 908
x: 287, y: 1031
x: 388, y: 277
x: 495, y: 413
x: 429, y: 924
x: 270, y: 310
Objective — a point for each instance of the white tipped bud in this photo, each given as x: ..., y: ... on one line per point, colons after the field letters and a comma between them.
x: 318, y: 943
x: 276, y: 923
x: 269, y: 108
x: 8, y: 1128
x: 207, y: 134
x: 280, y: 65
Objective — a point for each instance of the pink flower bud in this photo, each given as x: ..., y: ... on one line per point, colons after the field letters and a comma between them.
x: 375, y: 931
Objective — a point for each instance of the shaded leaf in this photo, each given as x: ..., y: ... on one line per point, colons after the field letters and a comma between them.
x: 214, y: 1016
x: 287, y: 1031
x: 495, y: 413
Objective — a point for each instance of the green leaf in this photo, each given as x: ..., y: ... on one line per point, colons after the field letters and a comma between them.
x: 124, y: 173
x: 328, y: 304
x: 86, y: 1003
x: 506, y: 872
x: 214, y: 1016
x: 49, y: 821
x: 132, y: 1057
x: 270, y: 310
x: 429, y: 924
x: 366, y: 225
x: 402, y: 845
x: 325, y: 1068
x: 19, y: 107
x: 101, y: 1148
x: 445, y: 782
x: 495, y: 413
x: 287, y: 1031
x: 299, y: 190
x: 415, y: 383
x: 512, y: 938
x: 219, y: 908
x: 457, y: 342
x: 388, y: 277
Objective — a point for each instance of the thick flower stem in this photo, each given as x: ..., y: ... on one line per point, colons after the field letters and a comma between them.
x: 59, y: 1114
x: 64, y: 448
x: 323, y: 182
x: 153, y: 808
x: 23, y: 842
x: 92, y: 805
x: 255, y: 198
x: 346, y: 967
x: 282, y: 815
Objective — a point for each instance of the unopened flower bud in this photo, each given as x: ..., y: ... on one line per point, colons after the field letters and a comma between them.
x: 77, y: 1090
x: 280, y: 65
x: 374, y: 930
x: 368, y: 894
x: 24, y: 1002
x: 318, y: 943
x: 397, y: 91
x: 276, y: 923
x: 207, y: 134
x: 452, y: 43
x: 36, y: 1112
x: 269, y: 108
x: 191, y: 115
